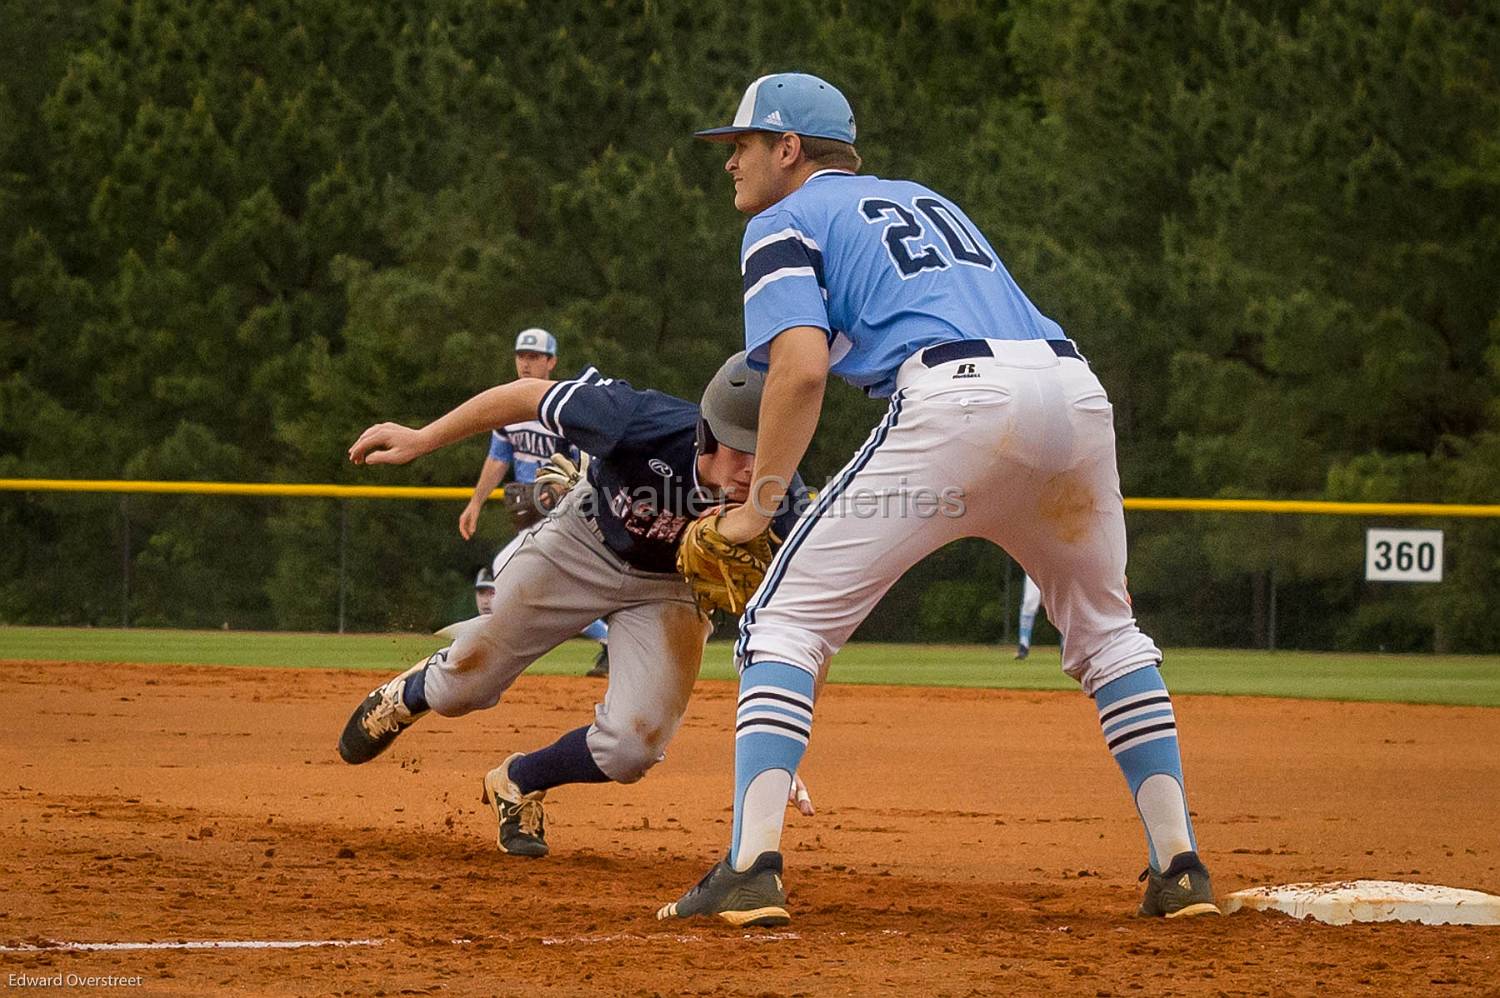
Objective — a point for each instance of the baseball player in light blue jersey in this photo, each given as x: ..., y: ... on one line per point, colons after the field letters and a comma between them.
x: 997, y: 428
x: 525, y: 448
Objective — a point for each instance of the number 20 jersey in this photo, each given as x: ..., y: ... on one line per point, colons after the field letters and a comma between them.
x: 887, y: 267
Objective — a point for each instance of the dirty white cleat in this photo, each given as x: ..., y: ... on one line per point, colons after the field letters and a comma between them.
x: 522, y: 818
x: 378, y: 719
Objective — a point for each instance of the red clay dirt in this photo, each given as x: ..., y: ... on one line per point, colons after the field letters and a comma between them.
x: 967, y: 843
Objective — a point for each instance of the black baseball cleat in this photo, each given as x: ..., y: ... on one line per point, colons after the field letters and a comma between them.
x: 521, y: 817
x: 377, y: 721
x: 601, y: 664
x: 1022, y: 651
x: 755, y: 897
x: 1182, y: 890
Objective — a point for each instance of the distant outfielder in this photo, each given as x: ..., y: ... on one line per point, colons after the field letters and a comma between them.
x: 1031, y: 602
x: 997, y: 428
x: 526, y: 447
x: 609, y: 549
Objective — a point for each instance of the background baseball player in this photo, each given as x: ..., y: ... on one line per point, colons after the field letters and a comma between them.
x: 484, y: 590
x: 524, y: 447
x: 611, y: 549
x: 1031, y: 602
x: 997, y: 428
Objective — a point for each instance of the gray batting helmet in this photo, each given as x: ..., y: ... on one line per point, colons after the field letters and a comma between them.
x: 731, y: 407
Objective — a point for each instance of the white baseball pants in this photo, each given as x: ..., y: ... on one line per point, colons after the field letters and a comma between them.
x: 1017, y: 448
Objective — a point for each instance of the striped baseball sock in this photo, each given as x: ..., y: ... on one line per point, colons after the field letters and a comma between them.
x: 771, y: 731
x: 1135, y: 714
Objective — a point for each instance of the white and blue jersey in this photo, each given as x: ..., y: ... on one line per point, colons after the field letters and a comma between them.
x: 527, y: 447
x: 887, y: 267
x: 644, y: 471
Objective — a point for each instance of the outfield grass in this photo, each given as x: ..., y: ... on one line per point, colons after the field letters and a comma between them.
x: 1472, y: 680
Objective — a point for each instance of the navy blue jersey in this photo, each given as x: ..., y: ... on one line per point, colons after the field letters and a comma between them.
x: 887, y: 267
x: 644, y: 471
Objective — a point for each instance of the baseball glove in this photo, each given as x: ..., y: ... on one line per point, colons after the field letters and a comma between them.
x: 521, y: 501
x: 722, y: 575
x: 562, y: 474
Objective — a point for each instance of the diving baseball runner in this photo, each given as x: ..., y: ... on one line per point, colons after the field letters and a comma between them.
x: 609, y: 549
x: 997, y: 428
x: 525, y: 447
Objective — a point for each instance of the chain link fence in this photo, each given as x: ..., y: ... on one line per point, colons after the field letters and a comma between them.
x: 331, y: 558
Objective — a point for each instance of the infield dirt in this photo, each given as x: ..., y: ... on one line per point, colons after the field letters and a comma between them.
x: 968, y: 842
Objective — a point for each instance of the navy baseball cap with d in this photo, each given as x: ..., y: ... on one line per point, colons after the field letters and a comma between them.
x: 789, y: 102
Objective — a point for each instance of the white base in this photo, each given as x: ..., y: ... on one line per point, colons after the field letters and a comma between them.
x: 1371, y: 901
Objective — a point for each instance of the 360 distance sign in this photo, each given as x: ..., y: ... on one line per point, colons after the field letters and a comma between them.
x: 1403, y: 555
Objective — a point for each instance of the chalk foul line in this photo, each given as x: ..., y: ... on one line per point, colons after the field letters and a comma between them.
x: 65, y: 946
x: 54, y: 945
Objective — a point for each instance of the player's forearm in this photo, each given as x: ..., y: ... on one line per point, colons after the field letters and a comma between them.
x: 489, y: 478
x: 789, y: 409
x: 490, y: 409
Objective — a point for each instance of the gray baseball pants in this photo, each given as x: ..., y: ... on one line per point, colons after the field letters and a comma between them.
x: 558, y: 580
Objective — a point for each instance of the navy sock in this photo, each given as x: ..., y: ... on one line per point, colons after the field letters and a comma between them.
x: 414, y: 693
x: 567, y: 760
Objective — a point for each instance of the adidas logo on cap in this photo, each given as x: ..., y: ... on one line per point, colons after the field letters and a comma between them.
x: 774, y: 118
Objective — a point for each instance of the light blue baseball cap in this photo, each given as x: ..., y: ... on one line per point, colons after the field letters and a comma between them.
x: 536, y: 341
x: 789, y: 102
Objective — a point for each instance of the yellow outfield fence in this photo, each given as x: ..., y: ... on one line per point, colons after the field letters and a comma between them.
x: 1258, y: 577
x: 1315, y: 507
x: 1291, y: 506
x: 233, y: 489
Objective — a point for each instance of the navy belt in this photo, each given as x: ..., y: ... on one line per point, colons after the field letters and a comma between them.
x: 953, y: 350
